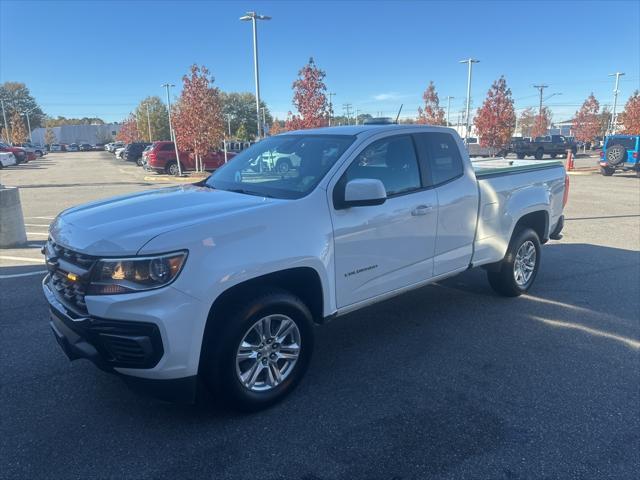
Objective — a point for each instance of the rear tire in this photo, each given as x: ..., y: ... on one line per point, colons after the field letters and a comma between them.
x: 229, y: 354
x: 607, y: 171
x: 519, y: 268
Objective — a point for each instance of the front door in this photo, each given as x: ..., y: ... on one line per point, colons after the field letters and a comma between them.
x: 385, y: 247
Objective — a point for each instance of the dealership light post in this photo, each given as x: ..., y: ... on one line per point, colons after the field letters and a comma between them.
x: 27, y: 112
x: 6, y: 125
x: 149, y: 123
x: 614, y: 120
x: 171, y: 132
x: 254, y: 17
x: 470, y: 62
x: 449, y: 97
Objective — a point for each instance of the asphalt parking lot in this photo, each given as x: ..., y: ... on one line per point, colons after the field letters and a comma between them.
x: 449, y: 381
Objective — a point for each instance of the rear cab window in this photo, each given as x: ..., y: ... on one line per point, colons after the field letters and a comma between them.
x: 442, y: 156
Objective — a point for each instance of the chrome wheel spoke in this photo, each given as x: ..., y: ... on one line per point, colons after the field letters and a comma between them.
x: 264, y: 359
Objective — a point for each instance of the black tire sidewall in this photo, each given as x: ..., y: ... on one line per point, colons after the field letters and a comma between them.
x: 622, y: 158
x: 220, y: 370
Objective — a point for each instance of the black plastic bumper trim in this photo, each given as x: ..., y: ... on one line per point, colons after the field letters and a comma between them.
x: 557, y: 232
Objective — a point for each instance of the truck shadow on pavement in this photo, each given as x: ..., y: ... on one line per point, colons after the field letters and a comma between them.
x: 447, y: 378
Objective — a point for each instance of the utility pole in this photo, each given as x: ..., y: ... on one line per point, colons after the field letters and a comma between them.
x: 449, y: 97
x: 614, y: 120
x: 171, y: 132
x: 357, y: 111
x: 330, y: 95
x: 254, y: 17
x: 6, y: 125
x: 29, y: 124
x: 149, y: 123
x: 541, y: 90
x: 347, y: 108
x: 229, y: 124
x: 469, y: 62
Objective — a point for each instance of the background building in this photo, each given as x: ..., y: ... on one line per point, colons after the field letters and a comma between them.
x: 79, y: 133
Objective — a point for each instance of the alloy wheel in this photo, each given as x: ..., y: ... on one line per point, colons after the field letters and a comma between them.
x: 525, y: 263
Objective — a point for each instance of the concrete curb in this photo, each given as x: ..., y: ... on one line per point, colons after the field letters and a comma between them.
x: 12, y: 232
x: 586, y: 171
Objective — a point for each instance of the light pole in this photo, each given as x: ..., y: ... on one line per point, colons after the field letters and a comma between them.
x: 149, y: 123
x: 264, y: 120
x: 470, y: 62
x: 449, y: 98
x: 6, y: 125
x: 614, y: 120
x: 229, y: 124
x: 26, y: 113
x: 171, y: 132
x: 330, y: 95
x: 254, y: 17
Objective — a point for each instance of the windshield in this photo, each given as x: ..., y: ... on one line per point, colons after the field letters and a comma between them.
x: 285, y: 166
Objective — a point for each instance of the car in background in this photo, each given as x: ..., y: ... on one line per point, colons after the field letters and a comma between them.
x: 99, y: 147
x: 620, y: 152
x: 552, y: 145
x: 142, y: 161
x: 20, y: 153
x: 73, y: 147
x: 38, y: 150
x: 476, y: 150
x: 111, y: 147
x: 119, y: 151
x: 162, y: 159
x: 133, y: 151
x: 55, y: 147
x: 7, y: 159
x: 85, y: 147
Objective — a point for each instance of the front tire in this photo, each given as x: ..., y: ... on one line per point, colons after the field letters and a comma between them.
x: 172, y: 168
x: 256, y: 352
x: 539, y: 154
x: 519, y: 268
x: 520, y: 156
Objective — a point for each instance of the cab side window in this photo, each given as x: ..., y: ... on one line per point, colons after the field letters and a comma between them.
x: 444, y: 160
x: 391, y: 160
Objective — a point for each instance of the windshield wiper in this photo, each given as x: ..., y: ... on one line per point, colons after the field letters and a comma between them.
x: 248, y: 192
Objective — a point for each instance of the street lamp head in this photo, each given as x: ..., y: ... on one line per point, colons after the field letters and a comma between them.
x: 469, y: 60
x: 254, y: 16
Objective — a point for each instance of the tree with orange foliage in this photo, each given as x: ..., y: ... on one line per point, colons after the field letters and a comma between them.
x: 631, y: 115
x: 309, y: 99
x: 541, y: 123
x: 496, y: 119
x: 197, y: 120
x: 432, y: 114
x: 129, y: 130
x: 586, y: 123
x: 276, y: 128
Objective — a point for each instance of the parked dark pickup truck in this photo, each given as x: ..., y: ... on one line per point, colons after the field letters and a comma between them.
x: 552, y: 145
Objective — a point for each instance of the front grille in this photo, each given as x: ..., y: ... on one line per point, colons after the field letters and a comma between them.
x: 61, y: 261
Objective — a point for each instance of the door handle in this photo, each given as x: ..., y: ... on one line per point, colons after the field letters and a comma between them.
x: 421, y: 210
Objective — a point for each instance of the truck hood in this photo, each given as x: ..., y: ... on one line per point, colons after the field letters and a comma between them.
x: 123, y: 225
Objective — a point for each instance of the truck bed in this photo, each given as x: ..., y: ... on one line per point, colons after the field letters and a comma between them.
x: 501, y: 166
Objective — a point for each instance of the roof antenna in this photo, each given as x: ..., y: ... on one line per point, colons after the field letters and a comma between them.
x: 398, y: 116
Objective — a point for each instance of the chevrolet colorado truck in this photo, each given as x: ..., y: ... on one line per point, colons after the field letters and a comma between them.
x: 218, y: 285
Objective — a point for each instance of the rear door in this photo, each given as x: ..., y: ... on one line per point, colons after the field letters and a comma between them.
x: 382, y: 248
x: 457, y: 195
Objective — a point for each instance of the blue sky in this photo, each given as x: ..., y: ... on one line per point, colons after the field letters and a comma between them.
x: 100, y: 58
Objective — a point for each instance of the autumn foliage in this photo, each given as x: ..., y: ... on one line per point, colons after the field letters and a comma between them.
x: 19, y: 133
x: 541, y: 123
x: 432, y: 114
x: 197, y: 118
x: 496, y: 119
x: 129, y: 130
x: 309, y: 99
x: 276, y: 128
x: 586, y: 124
x: 631, y: 115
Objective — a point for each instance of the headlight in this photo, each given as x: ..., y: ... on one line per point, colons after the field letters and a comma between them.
x: 126, y: 275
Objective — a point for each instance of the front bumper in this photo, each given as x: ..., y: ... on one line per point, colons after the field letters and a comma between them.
x: 132, y: 349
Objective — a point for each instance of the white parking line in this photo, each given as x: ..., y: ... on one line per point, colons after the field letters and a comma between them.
x: 35, y: 225
x: 43, y: 218
x: 38, y: 233
x: 28, y: 274
x: 25, y: 259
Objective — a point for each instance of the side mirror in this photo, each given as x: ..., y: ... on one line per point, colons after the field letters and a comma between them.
x: 363, y: 192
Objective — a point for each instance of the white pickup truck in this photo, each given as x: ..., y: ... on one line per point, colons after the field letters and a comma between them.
x: 219, y: 284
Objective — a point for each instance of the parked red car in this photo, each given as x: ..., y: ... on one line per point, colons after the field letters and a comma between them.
x: 162, y: 159
x: 20, y: 153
